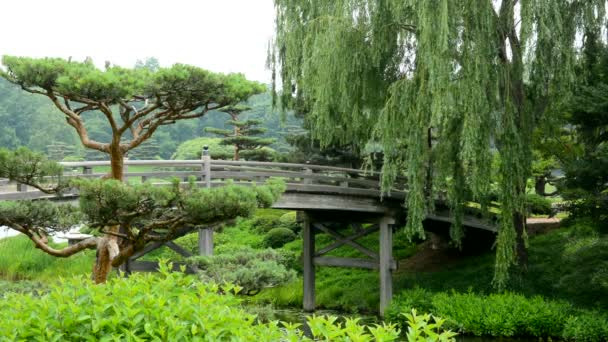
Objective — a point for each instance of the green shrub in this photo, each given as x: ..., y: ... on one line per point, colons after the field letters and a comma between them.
x: 505, y: 314
x: 587, y: 327
x: 289, y: 221
x: 277, y: 237
x: 265, y: 223
x: 415, y: 299
x: 155, y: 307
x: 538, y: 205
x: 192, y: 149
x: 250, y: 269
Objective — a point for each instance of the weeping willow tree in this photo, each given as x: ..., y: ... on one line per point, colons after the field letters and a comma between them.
x: 445, y: 86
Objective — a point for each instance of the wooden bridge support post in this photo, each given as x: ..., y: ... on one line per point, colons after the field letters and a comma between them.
x: 206, y: 159
x: 386, y: 256
x: 308, y: 255
x: 205, y: 242
x: 205, y: 236
x: 21, y: 187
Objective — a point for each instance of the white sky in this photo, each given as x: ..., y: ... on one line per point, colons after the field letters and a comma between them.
x: 218, y: 35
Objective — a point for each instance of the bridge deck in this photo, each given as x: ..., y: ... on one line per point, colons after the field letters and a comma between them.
x: 309, y: 187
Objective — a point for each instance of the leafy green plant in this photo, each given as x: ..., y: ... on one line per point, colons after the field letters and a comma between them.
x: 587, y: 327
x: 277, y: 237
x: 156, y: 307
x: 327, y: 328
x: 503, y: 314
x: 426, y: 327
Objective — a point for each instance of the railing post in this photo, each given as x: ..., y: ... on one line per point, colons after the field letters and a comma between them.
x: 87, y: 170
x: 21, y: 187
x: 307, y: 172
x: 205, y: 236
x: 206, y: 159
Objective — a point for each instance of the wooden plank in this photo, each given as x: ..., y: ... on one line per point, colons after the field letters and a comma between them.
x: 467, y: 221
x: 296, y: 166
x: 308, y: 252
x: 149, y: 248
x: 341, y: 242
x: 307, y: 177
x: 307, y: 201
x: 386, y: 257
x: 351, y: 262
x: 341, y: 239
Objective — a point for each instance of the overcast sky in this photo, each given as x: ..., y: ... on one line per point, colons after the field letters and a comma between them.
x: 219, y: 35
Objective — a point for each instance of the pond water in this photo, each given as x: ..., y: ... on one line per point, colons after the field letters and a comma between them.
x: 299, y: 316
x: 7, y: 232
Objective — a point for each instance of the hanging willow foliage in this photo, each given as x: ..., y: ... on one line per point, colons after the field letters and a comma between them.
x: 444, y: 85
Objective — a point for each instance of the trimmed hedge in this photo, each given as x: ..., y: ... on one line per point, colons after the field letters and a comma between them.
x: 505, y: 314
x: 277, y: 237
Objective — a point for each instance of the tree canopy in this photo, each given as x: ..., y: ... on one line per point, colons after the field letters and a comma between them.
x: 245, y: 135
x: 442, y: 85
x: 133, y: 102
x: 144, y: 212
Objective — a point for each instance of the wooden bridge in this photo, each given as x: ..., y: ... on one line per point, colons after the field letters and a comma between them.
x: 326, y: 198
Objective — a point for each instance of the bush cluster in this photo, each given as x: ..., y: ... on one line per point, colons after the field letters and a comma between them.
x: 250, y: 269
x: 156, y: 307
x: 277, y: 237
x: 538, y: 205
x: 505, y: 314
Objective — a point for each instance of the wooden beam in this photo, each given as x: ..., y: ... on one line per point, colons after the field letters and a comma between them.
x: 205, y: 241
x: 179, y: 249
x: 149, y: 248
x: 351, y: 262
x: 386, y: 256
x: 308, y: 252
x: 341, y: 239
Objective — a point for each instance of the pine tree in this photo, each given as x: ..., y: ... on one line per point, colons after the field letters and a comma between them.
x: 134, y: 103
x: 245, y: 135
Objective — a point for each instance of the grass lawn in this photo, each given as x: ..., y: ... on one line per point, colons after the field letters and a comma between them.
x: 20, y: 260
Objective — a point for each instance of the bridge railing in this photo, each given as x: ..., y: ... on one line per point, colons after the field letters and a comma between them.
x: 299, y: 177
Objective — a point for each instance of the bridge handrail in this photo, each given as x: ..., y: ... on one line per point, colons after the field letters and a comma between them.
x: 220, y: 162
x: 298, y: 176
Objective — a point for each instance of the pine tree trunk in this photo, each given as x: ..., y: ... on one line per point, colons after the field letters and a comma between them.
x: 539, y: 185
x: 107, y: 248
